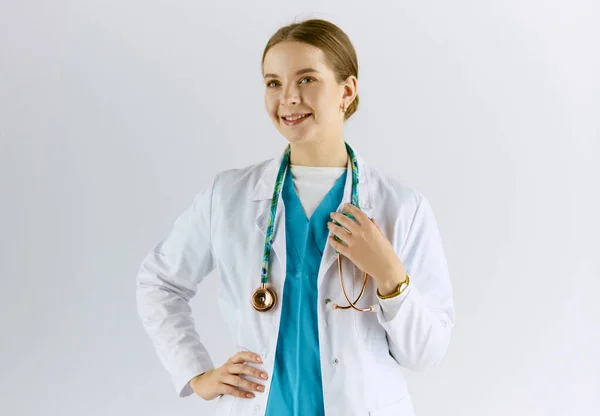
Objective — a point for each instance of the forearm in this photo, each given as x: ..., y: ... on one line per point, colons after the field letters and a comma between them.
x: 163, y: 306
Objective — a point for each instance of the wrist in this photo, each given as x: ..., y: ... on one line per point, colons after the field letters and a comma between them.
x: 388, y: 288
x: 197, y: 378
x: 388, y: 284
x: 400, y: 288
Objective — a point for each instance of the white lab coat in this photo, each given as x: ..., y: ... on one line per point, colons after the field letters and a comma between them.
x: 363, y: 354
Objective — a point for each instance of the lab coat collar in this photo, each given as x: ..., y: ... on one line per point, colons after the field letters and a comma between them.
x: 266, y: 183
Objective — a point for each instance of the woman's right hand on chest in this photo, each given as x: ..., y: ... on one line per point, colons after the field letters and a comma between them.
x: 227, y: 378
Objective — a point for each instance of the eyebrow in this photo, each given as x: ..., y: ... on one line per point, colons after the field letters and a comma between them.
x: 302, y: 71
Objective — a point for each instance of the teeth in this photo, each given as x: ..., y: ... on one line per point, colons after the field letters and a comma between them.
x: 295, y: 118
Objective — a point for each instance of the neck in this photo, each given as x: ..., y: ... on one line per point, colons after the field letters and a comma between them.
x: 319, y: 154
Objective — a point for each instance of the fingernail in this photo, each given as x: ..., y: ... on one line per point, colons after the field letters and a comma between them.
x: 264, y: 376
x: 259, y: 359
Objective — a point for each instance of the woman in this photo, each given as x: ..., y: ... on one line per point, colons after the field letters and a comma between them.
x: 302, y: 351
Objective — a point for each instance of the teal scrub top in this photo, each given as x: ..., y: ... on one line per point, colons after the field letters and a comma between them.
x: 296, y: 386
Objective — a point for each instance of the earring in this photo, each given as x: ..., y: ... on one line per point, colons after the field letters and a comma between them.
x: 343, y: 108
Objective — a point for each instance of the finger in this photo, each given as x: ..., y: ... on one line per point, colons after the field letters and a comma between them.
x: 241, y: 382
x: 243, y: 357
x: 248, y: 370
x: 341, y: 219
x: 346, y: 238
x: 358, y: 214
x: 338, y: 230
x: 341, y: 248
x: 234, y: 391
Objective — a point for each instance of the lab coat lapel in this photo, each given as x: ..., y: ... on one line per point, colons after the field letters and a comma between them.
x: 278, y: 248
x: 263, y: 190
x: 365, y: 202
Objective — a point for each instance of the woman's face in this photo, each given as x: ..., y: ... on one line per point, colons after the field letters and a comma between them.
x: 299, y: 82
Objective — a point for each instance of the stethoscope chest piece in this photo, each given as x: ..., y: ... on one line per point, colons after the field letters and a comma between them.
x: 263, y: 299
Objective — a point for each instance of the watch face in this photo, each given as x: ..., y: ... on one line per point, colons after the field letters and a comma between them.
x: 401, y: 287
x: 394, y: 293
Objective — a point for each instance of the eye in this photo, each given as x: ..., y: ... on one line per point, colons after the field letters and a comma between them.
x: 270, y: 83
x: 308, y: 78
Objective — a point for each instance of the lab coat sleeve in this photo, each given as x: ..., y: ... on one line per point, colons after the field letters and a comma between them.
x: 418, y: 322
x: 390, y: 307
x: 166, y: 281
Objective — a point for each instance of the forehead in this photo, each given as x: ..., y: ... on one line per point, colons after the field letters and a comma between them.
x: 286, y: 58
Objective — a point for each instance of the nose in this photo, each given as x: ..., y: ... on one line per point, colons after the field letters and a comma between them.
x: 290, y: 95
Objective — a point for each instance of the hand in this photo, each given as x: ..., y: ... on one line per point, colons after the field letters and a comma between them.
x: 365, y: 245
x: 225, y: 379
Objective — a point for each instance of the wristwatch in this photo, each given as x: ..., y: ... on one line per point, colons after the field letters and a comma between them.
x: 401, y: 288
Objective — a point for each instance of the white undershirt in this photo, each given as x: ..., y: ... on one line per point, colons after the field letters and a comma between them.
x: 312, y: 183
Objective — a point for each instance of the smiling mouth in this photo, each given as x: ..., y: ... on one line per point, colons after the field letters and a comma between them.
x: 296, y: 117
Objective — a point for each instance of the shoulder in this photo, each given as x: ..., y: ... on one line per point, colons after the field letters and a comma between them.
x: 242, y: 176
x: 402, y: 209
x: 233, y: 185
x: 392, y: 191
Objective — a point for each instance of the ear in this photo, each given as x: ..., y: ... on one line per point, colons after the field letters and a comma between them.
x: 350, y: 89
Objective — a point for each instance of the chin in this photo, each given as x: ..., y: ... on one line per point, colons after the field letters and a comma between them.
x: 293, y: 135
x: 294, y: 139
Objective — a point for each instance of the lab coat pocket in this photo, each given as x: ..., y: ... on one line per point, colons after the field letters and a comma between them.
x: 402, y: 407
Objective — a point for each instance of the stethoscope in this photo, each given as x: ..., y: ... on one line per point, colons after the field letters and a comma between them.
x: 264, y: 298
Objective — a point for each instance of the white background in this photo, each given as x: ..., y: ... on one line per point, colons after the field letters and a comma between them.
x: 114, y: 114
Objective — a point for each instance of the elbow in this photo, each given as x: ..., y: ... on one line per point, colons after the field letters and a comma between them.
x: 429, y: 361
x: 428, y: 354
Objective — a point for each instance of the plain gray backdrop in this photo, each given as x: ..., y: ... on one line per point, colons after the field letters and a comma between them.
x: 114, y: 114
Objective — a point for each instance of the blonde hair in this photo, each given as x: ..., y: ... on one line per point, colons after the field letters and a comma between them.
x: 331, y: 40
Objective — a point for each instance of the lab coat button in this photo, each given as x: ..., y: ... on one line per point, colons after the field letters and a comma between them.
x: 256, y: 408
x: 328, y: 300
x: 264, y: 355
x: 335, y: 361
